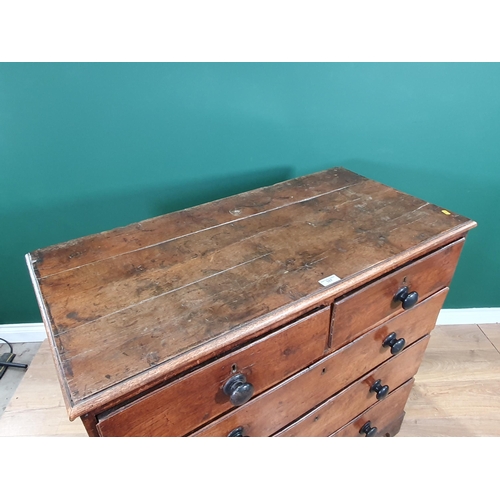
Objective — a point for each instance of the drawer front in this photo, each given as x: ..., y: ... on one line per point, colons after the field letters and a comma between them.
x: 380, y: 416
x: 375, y: 346
x: 273, y: 410
x: 364, y: 309
x: 343, y: 407
x: 368, y: 351
x: 184, y: 405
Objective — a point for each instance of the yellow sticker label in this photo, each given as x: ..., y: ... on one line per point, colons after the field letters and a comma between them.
x: 445, y: 212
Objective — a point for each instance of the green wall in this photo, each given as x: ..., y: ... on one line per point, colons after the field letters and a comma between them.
x: 88, y: 147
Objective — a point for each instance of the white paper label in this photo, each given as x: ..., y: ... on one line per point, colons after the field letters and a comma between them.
x: 329, y: 280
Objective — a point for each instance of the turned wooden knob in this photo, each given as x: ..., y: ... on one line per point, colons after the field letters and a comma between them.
x: 394, y: 343
x: 381, y: 390
x: 407, y: 298
x: 238, y: 390
x: 368, y: 430
x: 237, y: 433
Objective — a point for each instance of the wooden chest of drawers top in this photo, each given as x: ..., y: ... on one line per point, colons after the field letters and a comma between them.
x: 131, y: 308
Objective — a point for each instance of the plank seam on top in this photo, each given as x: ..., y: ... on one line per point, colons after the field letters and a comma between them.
x: 135, y: 304
x: 72, y: 329
x: 57, y: 331
x: 199, y: 230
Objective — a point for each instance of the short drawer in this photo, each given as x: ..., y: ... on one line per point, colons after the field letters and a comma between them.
x: 362, y: 310
x: 343, y: 407
x: 390, y: 338
x: 187, y: 403
x: 383, y: 419
x: 276, y: 408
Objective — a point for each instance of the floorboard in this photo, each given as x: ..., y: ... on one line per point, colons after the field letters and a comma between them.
x: 37, y: 407
x: 492, y: 332
x: 457, y: 388
x: 25, y: 352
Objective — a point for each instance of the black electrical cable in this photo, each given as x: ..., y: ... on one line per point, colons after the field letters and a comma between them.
x: 8, y: 343
x: 12, y: 365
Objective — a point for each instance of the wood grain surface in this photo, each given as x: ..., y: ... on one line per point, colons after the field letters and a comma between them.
x: 343, y: 407
x: 279, y: 406
x: 191, y: 401
x: 128, y: 308
x: 122, y: 240
x: 380, y: 415
x: 457, y: 389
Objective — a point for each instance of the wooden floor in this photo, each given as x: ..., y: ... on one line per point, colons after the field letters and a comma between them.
x: 457, y: 388
x: 456, y: 393
x: 25, y: 352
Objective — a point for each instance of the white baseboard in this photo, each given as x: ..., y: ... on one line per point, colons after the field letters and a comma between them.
x: 35, y: 332
x: 23, y: 332
x: 481, y: 315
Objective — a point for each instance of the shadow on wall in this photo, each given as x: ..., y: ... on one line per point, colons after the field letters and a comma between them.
x: 26, y: 231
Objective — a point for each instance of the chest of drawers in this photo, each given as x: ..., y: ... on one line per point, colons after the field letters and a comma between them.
x: 298, y: 309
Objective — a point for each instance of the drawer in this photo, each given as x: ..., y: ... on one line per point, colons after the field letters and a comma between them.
x: 382, y: 419
x: 187, y: 403
x: 389, y: 338
x: 349, y: 403
x: 281, y: 405
x: 362, y: 310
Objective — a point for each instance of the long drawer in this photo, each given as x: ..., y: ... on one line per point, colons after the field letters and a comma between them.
x: 376, y: 421
x: 182, y: 406
x: 343, y: 407
x: 276, y: 408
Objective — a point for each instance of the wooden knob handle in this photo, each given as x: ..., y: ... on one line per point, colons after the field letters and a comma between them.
x: 238, y: 432
x: 408, y: 299
x: 381, y: 390
x: 238, y: 390
x: 394, y: 343
x: 368, y: 430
